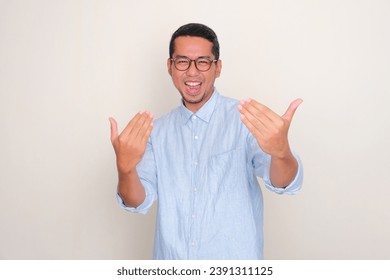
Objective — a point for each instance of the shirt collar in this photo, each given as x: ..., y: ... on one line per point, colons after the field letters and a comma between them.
x: 204, y: 113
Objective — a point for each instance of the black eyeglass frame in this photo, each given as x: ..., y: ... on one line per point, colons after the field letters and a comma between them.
x: 173, y: 60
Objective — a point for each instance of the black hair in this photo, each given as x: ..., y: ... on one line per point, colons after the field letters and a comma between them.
x: 196, y: 30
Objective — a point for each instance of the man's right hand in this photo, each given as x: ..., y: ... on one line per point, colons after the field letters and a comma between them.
x: 130, y: 145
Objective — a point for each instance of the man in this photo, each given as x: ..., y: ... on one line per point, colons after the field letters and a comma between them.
x: 201, y: 160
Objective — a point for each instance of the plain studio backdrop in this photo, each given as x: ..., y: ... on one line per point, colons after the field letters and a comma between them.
x: 67, y: 66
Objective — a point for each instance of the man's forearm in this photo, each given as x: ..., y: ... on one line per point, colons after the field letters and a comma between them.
x: 283, y: 170
x: 130, y: 189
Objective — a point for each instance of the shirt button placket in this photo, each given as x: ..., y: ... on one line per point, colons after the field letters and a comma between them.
x: 194, y: 164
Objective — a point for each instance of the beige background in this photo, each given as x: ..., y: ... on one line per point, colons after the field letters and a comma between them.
x: 66, y: 66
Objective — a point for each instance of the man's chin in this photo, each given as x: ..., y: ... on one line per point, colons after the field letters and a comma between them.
x: 193, y: 98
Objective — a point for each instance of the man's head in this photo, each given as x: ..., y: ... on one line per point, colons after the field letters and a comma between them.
x: 194, y: 63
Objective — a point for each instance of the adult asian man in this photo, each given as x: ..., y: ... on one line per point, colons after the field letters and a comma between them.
x: 201, y: 160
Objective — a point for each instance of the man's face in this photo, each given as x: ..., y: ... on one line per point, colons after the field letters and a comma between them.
x: 195, y: 87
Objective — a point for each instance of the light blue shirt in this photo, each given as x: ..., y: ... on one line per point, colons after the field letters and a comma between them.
x: 202, y: 168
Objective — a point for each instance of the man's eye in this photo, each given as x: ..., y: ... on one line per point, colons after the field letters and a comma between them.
x: 203, y: 62
x: 182, y: 61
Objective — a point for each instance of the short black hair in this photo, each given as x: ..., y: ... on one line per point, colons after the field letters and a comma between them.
x: 196, y: 30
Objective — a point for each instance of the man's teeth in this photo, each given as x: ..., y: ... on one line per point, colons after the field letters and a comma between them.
x: 192, y: 84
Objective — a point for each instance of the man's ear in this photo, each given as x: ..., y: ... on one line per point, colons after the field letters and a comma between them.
x: 169, y: 65
x: 219, y: 68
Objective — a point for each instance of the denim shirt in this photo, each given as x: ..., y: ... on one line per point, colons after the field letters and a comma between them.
x: 202, y: 168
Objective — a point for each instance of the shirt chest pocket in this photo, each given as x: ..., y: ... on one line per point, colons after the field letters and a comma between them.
x: 226, y: 170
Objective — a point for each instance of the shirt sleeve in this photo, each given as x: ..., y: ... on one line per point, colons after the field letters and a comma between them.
x: 147, y: 173
x: 262, y: 165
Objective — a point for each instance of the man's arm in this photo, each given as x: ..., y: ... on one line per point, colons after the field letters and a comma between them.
x: 271, y: 133
x: 129, y: 148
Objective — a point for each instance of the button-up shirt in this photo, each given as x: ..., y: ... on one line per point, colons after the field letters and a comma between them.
x: 202, y: 168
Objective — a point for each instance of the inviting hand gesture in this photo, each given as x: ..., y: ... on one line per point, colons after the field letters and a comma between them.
x: 130, y: 145
x: 269, y: 129
x: 271, y: 133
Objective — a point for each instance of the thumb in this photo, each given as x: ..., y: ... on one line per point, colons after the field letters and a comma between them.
x: 114, y: 129
x: 291, y: 109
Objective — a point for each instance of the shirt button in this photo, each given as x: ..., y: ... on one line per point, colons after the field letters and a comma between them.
x: 193, y: 216
x: 194, y: 117
x: 193, y: 243
x: 195, y: 189
x: 196, y: 137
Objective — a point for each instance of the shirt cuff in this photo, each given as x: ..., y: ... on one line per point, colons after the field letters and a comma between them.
x: 294, y: 186
x: 143, y: 208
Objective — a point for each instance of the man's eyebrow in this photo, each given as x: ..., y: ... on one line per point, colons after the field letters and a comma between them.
x: 183, y: 56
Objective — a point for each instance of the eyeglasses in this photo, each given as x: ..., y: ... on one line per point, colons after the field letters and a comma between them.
x: 183, y: 63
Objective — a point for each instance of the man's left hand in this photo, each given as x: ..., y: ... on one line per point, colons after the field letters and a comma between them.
x: 269, y: 129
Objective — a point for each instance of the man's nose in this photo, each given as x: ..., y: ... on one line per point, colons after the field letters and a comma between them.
x: 192, y: 71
